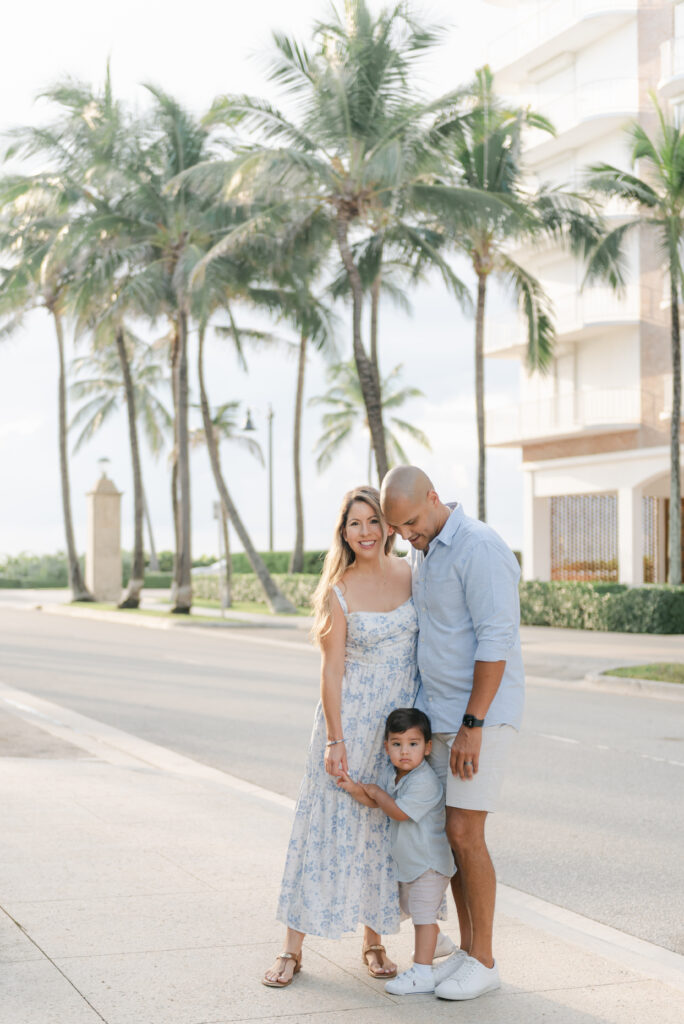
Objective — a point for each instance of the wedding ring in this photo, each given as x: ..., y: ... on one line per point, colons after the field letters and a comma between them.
x: 467, y: 762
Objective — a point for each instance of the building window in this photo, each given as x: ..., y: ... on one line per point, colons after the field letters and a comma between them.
x: 584, y: 537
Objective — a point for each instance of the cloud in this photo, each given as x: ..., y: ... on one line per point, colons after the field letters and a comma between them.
x: 20, y: 428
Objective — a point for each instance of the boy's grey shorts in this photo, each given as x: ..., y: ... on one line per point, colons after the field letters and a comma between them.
x: 422, y: 898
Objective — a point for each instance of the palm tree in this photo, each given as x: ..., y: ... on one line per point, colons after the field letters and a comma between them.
x: 657, y: 196
x: 100, y: 381
x: 484, y: 155
x: 347, y: 412
x: 34, y: 216
x: 225, y: 428
x: 364, y: 142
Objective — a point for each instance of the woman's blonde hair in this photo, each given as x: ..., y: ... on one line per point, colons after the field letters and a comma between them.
x: 339, y: 557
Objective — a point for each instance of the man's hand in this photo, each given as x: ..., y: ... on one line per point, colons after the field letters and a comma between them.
x: 465, y: 752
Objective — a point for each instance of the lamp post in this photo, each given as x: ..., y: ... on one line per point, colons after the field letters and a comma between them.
x: 248, y: 426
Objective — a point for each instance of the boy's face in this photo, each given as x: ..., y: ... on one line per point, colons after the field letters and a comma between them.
x: 407, y: 749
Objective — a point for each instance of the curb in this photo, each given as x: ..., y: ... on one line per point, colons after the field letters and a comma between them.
x: 637, y: 687
x: 239, y: 619
x: 596, y: 682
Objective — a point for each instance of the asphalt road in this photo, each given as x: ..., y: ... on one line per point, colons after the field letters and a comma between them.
x: 591, y: 815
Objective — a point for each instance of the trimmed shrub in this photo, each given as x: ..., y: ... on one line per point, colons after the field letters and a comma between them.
x: 602, y: 606
x: 279, y: 562
x: 298, y: 587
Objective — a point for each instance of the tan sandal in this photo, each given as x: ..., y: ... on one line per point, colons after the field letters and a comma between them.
x: 377, y: 973
x: 297, y: 957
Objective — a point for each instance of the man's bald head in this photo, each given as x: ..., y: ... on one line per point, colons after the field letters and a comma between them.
x: 405, y: 483
x: 411, y: 505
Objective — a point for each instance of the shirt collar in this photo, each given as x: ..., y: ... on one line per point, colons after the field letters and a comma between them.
x: 448, y: 531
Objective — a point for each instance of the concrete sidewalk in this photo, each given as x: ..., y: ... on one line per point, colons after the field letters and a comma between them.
x: 138, y: 887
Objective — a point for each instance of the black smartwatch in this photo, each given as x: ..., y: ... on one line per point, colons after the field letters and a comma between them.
x: 471, y: 722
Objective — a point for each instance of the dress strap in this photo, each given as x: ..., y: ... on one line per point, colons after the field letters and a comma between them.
x: 340, y: 598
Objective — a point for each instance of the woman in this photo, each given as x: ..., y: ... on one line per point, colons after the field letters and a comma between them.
x: 339, y: 870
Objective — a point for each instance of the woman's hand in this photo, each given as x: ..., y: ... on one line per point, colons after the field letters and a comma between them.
x: 336, y: 759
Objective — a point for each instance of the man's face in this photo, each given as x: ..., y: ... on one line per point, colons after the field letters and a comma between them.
x: 417, y: 521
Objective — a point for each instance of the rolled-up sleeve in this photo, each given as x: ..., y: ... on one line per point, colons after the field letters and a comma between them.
x: 490, y: 575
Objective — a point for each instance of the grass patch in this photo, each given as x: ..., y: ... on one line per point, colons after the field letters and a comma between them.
x: 258, y: 607
x: 659, y: 671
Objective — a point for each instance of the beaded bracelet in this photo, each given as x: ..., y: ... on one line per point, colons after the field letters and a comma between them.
x: 331, y: 743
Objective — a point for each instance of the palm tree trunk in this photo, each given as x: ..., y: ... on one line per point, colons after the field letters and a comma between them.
x: 479, y: 398
x: 183, y: 601
x: 276, y: 600
x: 675, y: 524
x: 229, y: 561
x: 174, y: 462
x: 297, y: 559
x: 375, y: 313
x: 131, y: 596
x: 364, y: 367
x: 79, y: 591
x: 176, y: 530
x: 154, y: 560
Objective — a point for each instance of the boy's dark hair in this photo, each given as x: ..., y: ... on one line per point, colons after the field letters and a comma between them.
x: 402, y: 719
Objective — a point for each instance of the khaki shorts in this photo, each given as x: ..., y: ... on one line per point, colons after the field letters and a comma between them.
x: 421, y: 899
x: 481, y: 792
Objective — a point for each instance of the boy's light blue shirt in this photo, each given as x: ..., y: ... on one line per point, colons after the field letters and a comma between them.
x: 419, y: 843
x: 466, y: 595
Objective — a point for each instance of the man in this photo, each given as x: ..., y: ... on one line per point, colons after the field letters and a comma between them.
x: 465, y: 588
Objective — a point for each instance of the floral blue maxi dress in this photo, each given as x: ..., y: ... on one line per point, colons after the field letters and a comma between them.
x: 339, y: 870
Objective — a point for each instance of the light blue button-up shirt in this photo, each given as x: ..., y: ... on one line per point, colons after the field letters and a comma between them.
x: 419, y: 843
x: 465, y: 590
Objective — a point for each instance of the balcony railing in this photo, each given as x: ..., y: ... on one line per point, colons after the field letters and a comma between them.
x: 607, y: 97
x: 568, y: 414
x: 551, y: 20
x: 671, y: 66
x: 572, y: 314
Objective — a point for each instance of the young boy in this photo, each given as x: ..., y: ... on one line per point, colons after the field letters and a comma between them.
x: 412, y: 797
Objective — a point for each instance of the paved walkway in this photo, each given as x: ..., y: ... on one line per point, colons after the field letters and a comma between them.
x: 138, y: 887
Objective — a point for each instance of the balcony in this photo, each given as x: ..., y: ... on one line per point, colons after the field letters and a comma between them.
x: 555, y: 28
x: 575, y: 316
x: 593, y: 110
x: 671, y: 82
x: 589, y: 411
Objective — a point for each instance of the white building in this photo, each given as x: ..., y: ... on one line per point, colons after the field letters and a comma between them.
x: 594, y: 432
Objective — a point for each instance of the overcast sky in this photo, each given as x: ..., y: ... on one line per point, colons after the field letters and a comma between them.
x: 195, y: 52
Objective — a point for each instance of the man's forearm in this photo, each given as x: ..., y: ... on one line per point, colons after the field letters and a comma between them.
x: 487, y: 678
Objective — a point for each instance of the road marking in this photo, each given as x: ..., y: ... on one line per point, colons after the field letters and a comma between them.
x: 559, y: 739
x: 602, y: 746
x: 124, y: 749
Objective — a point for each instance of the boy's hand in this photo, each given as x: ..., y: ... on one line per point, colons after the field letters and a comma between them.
x: 346, y: 783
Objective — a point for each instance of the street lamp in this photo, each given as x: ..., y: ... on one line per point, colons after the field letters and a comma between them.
x: 248, y: 426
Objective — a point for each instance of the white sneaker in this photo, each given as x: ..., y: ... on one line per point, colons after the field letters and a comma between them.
x: 409, y: 983
x: 472, y: 979
x: 448, y: 967
x: 444, y: 947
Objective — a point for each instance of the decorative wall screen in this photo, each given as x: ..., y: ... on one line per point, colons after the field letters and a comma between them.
x: 651, y: 538
x: 584, y: 537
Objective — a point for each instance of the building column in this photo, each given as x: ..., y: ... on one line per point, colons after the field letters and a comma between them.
x: 630, y: 536
x: 536, y: 532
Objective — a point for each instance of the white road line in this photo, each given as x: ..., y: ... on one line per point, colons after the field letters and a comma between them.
x: 121, y: 748
x: 559, y: 739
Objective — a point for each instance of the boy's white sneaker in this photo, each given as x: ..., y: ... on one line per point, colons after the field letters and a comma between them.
x: 409, y: 983
x: 470, y: 980
x: 448, y: 967
x: 444, y: 947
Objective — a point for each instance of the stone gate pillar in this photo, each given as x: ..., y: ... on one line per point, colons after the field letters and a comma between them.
x: 103, y: 554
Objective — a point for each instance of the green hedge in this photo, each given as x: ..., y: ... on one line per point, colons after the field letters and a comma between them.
x: 603, y: 606
x: 298, y: 587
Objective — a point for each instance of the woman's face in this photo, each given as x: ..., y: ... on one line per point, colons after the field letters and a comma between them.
x: 365, y: 532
